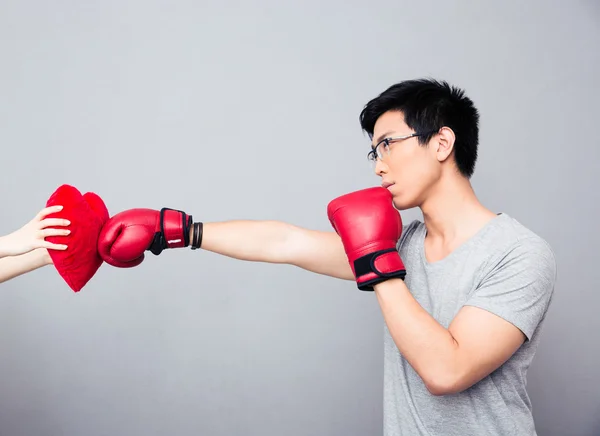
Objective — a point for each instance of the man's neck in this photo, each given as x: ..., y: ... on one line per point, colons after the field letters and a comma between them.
x: 452, y: 212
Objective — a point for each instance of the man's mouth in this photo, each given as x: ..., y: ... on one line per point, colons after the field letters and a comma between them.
x: 386, y: 184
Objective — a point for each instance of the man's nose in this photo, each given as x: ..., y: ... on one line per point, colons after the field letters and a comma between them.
x: 380, y: 167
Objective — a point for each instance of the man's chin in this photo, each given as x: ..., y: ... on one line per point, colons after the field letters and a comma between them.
x: 401, y: 205
x: 398, y: 204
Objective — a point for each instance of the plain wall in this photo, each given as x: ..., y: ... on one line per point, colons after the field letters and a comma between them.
x: 238, y: 110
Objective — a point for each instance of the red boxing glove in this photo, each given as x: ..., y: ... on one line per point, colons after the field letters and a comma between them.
x: 126, y: 236
x: 369, y: 227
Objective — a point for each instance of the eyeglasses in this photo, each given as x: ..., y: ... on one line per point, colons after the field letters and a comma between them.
x: 384, y: 145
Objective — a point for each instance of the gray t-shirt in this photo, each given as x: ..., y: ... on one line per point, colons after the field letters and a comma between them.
x: 505, y: 269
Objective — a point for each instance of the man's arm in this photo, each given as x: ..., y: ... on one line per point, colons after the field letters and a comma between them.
x: 126, y: 236
x: 14, y: 266
x: 448, y: 360
x: 502, y: 313
x: 278, y: 242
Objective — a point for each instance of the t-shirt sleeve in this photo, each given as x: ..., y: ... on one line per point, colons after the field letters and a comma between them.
x: 520, y: 286
x: 407, y: 232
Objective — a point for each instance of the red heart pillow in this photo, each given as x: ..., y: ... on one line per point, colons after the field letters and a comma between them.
x: 87, y: 213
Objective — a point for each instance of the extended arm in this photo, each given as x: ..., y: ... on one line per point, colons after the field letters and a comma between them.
x: 279, y: 242
x: 14, y: 266
x: 25, y: 249
x: 31, y: 235
x: 129, y: 234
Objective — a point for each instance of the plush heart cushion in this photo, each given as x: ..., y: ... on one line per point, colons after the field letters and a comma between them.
x: 87, y: 213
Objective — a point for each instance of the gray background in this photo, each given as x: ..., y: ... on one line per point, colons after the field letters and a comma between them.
x: 250, y: 111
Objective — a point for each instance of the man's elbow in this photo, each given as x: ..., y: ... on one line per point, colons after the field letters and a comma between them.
x: 446, y: 383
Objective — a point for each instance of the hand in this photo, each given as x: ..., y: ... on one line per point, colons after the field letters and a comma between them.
x: 31, y: 235
x: 369, y: 227
x: 126, y: 236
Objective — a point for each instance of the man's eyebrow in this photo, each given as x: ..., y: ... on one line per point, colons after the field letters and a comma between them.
x: 380, y: 137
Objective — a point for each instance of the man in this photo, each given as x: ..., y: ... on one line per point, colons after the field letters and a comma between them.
x: 26, y: 249
x: 464, y: 293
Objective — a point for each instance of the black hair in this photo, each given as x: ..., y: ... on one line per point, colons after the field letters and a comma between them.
x: 427, y: 106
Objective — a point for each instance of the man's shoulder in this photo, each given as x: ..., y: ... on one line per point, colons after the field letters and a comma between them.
x: 511, y: 233
x: 517, y: 244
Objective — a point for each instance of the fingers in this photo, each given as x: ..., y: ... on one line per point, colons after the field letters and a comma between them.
x: 52, y: 222
x: 51, y: 246
x: 47, y: 211
x: 54, y: 232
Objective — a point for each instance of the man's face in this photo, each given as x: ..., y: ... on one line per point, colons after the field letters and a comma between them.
x: 407, y: 169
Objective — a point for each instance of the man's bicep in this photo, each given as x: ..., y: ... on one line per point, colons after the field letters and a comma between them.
x: 485, y: 341
x: 319, y: 252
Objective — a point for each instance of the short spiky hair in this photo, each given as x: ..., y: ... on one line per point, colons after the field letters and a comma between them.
x: 427, y: 106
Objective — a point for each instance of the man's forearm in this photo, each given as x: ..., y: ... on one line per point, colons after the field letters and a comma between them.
x: 429, y: 347
x: 14, y: 266
x: 278, y: 242
x: 259, y: 241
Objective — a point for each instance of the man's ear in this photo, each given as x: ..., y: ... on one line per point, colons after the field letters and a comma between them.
x: 444, y: 143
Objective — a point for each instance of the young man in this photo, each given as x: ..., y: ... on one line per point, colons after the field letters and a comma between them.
x: 464, y: 293
x: 26, y: 250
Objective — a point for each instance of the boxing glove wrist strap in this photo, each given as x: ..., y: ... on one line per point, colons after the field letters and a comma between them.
x: 197, y: 238
x: 174, y: 231
x: 377, y: 267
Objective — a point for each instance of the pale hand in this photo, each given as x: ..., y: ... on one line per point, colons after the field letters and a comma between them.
x: 31, y: 235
